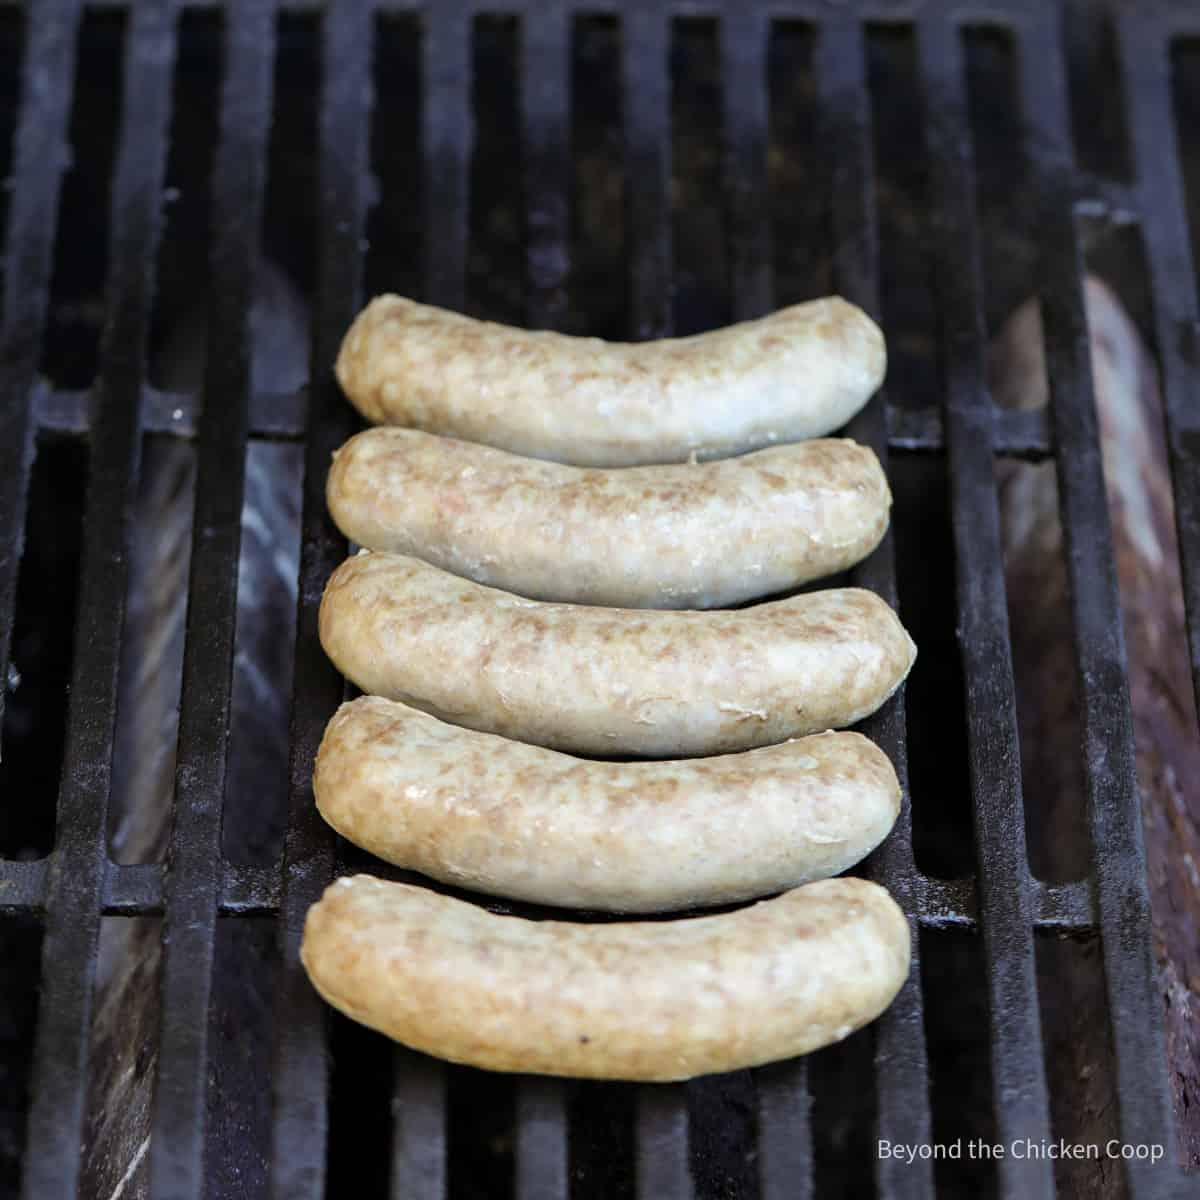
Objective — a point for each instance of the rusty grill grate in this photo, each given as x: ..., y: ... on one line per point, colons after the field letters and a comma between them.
x: 77, y: 883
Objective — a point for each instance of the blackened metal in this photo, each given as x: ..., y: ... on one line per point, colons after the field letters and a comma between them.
x: 40, y: 156
x: 541, y: 1148
x: 419, y: 1166
x: 1018, y: 1071
x: 301, y: 1079
x: 745, y: 132
x: 191, y: 886
x: 1145, y: 63
x: 541, y: 1116
x: 662, y: 1167
x: 902, y: 1075
x: 76, y: 876
x: 1114, y: 810
x: 785, y: 1157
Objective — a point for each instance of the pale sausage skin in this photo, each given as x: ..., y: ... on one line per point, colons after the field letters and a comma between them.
x: 686, y: 536
x: 659, y: 1000
x: 513, y: 820
x: 611, y: 681
x: 799, y: 373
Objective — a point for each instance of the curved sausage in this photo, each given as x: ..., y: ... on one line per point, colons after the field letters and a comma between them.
x: 798, y: 373
x: 683, y: 536
x: 513, y: 820
x: 657, y: 1000
x: 611, y: 681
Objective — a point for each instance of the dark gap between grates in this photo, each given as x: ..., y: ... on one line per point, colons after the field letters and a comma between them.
x: 143, y: 780
x: 20, y: 952
x: 255, y: 813
x: 393, y: 257
x: 943, y: 840
x: 798, y: 201
x: 1185, y: 93
x: 71, y: 346
x: 183, y: 273
x: 599, y: 235
x: 953, y: 974
x: 495, y: 267
x: 479, y: 1114
x: 42, y: 654
x: 722, y: 1112
x: 700, y: 288
x: 840, y: 1079
x: 359, y: 1110
x: 1079, y: 1061
x: 906, y: 273
x: 122, y: 1054
x: 245, y: 975
x: 1096, y: 91
x: 289, y: 213
x: 12, y: 45
x: 601, y: 1140
x: 1004, y: 194
x: 1039, y: 616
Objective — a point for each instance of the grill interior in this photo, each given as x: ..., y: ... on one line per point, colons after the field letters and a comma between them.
x: 628, y: 171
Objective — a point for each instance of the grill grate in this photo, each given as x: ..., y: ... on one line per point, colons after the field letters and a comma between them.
x: 77, y: 883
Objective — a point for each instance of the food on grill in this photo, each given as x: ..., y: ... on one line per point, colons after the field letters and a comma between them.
x: 681, y: 536
x: 655, y: 1000
x: 484, y: 812
x: 798, y: 373
x: 611, y: 681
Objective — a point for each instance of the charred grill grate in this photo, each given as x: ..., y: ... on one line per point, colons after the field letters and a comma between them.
x: 77, y: 884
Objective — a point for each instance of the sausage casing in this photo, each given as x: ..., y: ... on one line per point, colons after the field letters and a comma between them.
x: 801, y: 372
x: 657, y: 1000
x: 514, y: 820
x: 611, y: 681
x: 679, y: 536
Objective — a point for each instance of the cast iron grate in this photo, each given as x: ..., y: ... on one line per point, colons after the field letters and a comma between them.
x: 77, y: 884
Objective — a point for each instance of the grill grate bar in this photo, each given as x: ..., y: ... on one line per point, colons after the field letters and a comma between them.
x: 785, y: 1157
x: 1018, y: 1071
x: 301, y: 1075
x: 1114, y: 811
x: 40, y: 155
x: 1018, y: 433
x: 745, y: 114
x: 76, y: 874
x: 420, y: 1138
x: 542, y: 1124
x: 662, y: 1166
x: 191, y: 883
x: 902, y: 1077
x: 419, y: 1166
x: 1166, y: 236
x: 541, y: 1149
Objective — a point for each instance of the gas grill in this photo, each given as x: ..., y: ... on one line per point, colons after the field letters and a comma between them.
x: 417, y: 112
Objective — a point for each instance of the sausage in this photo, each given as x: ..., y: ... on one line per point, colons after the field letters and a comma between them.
x: 657, y: 1000
x: 683, y: 536
x: 798, y: 373
x: 611, y: 681
x: 513, y: 820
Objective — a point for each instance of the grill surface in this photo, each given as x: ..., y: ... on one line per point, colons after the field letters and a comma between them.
x: 77, y: 883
